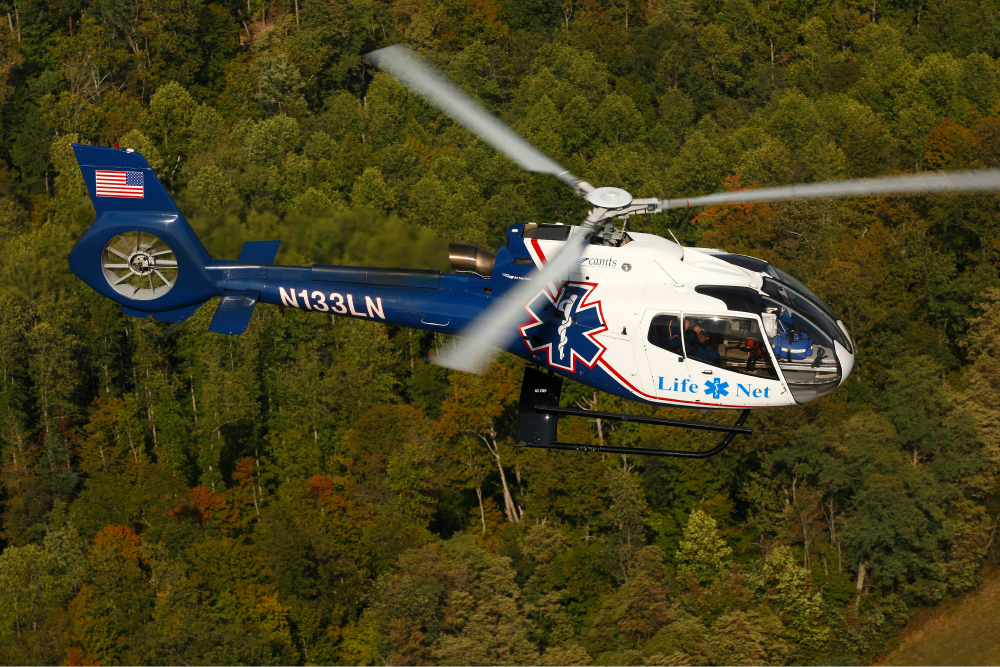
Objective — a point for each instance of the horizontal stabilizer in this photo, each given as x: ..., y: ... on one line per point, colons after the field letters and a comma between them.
x: 178, y: 315
x: 234, y: 311
x: 259, y: 252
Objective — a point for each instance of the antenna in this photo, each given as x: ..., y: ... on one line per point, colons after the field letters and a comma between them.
x: 677, y: 242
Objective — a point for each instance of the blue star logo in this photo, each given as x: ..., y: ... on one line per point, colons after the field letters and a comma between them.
x: 716, y: 388
x: 564, y: 328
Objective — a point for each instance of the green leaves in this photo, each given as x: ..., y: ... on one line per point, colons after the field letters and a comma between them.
x: 170, y: 110
x: 702, y: 553
x: 317, y: 491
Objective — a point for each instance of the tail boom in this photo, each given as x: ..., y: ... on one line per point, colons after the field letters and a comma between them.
x: 418, y: 299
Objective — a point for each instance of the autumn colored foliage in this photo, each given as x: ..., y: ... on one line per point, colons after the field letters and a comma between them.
x: 316, y: 491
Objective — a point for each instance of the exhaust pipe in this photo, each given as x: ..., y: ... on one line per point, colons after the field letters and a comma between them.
x: 470, y: 259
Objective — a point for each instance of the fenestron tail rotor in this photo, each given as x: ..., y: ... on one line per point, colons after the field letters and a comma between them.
x: 139, y: 266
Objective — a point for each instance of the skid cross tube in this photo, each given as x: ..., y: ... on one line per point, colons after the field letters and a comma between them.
x: 731, y: 432
x: 597, y: 414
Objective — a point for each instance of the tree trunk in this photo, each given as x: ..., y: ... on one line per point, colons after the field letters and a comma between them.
x: 804, y: 520
x: 482, y: 515
x: 862, y: 566
x: 194, y: 405
x: 831, y: 518
x: 511, y: 508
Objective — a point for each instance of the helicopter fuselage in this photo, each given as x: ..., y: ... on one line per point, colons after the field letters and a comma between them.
x: 643, y: 320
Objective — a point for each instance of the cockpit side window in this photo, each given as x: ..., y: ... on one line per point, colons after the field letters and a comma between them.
x: 733, y: 343
x: 665, y: 333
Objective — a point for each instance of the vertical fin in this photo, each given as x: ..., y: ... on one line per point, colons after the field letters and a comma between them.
x: 259, y: 252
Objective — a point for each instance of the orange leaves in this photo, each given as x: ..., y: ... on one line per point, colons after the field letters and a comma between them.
x: 233, y: 508
x: 201, y: 503
x: 119, y: 555
x: 475, y: 401
x: 321, y: 488
x: 77, y: 657
x: 742, y: 228
x: 950, y: 146
x: 327, y: 498
x: 243, y: 475
x: 120, y: 540
x: 331, y: 501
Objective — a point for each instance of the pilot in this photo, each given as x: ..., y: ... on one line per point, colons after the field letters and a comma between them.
x: 695, y: 340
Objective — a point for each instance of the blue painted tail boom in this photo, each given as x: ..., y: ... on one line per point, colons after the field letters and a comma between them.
x: 137, y: 202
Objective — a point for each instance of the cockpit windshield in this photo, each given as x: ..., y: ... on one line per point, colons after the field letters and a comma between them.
x: 798, y: 286
x: 807, y: 307
x: 796, y: 294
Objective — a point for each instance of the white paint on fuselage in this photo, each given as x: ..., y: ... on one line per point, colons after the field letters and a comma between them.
x: 662, y: 276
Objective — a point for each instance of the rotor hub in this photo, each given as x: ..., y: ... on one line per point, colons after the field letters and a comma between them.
x: 610, y: 198
x: 139, y: 266
x: 140, y: 263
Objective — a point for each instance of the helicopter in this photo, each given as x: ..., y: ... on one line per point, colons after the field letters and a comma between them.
x: 631, y: 314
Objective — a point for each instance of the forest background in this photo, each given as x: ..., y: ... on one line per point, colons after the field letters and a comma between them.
x: 316, y: 491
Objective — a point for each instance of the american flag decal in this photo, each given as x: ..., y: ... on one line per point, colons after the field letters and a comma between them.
x: 119, y: 184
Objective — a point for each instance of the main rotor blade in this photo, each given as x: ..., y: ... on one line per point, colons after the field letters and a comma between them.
x: 420, y: 77
x: 984, y: 180
x: 497, y: 327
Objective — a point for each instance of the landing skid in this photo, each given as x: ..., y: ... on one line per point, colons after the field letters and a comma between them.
x: 539, y: 412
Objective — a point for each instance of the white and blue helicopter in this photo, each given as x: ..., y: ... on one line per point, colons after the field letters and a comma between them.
x: 631, y: 314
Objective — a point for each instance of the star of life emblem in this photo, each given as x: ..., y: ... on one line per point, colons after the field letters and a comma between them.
x: 565, y: 327
x: 716, y: 388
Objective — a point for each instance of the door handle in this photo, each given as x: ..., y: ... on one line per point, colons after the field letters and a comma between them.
x: 708, y: 372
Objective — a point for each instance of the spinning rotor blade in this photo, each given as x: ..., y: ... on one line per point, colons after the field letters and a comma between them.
x: 984, y: 180
x: 497, y: 327
x: 420, y: 78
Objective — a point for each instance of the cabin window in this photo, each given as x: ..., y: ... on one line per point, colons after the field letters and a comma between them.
x: 665, y: 333
x: 734, y: 343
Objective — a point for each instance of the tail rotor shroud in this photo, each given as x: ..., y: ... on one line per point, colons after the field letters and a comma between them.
x: 139, y: 267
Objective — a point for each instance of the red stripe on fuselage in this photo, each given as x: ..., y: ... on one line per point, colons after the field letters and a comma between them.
x: 538, y: 249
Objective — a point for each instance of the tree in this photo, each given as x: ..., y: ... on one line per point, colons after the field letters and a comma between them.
x: 476, y: 407
x: 490, y: 628
x: 171, y: 108
x: 32, y: 585
x: 626, y: 517
x: 370, y: 190
x: 702, y: 553
x: 800, y: 609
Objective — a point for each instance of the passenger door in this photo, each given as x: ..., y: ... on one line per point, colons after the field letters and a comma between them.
x: 729, y: 362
